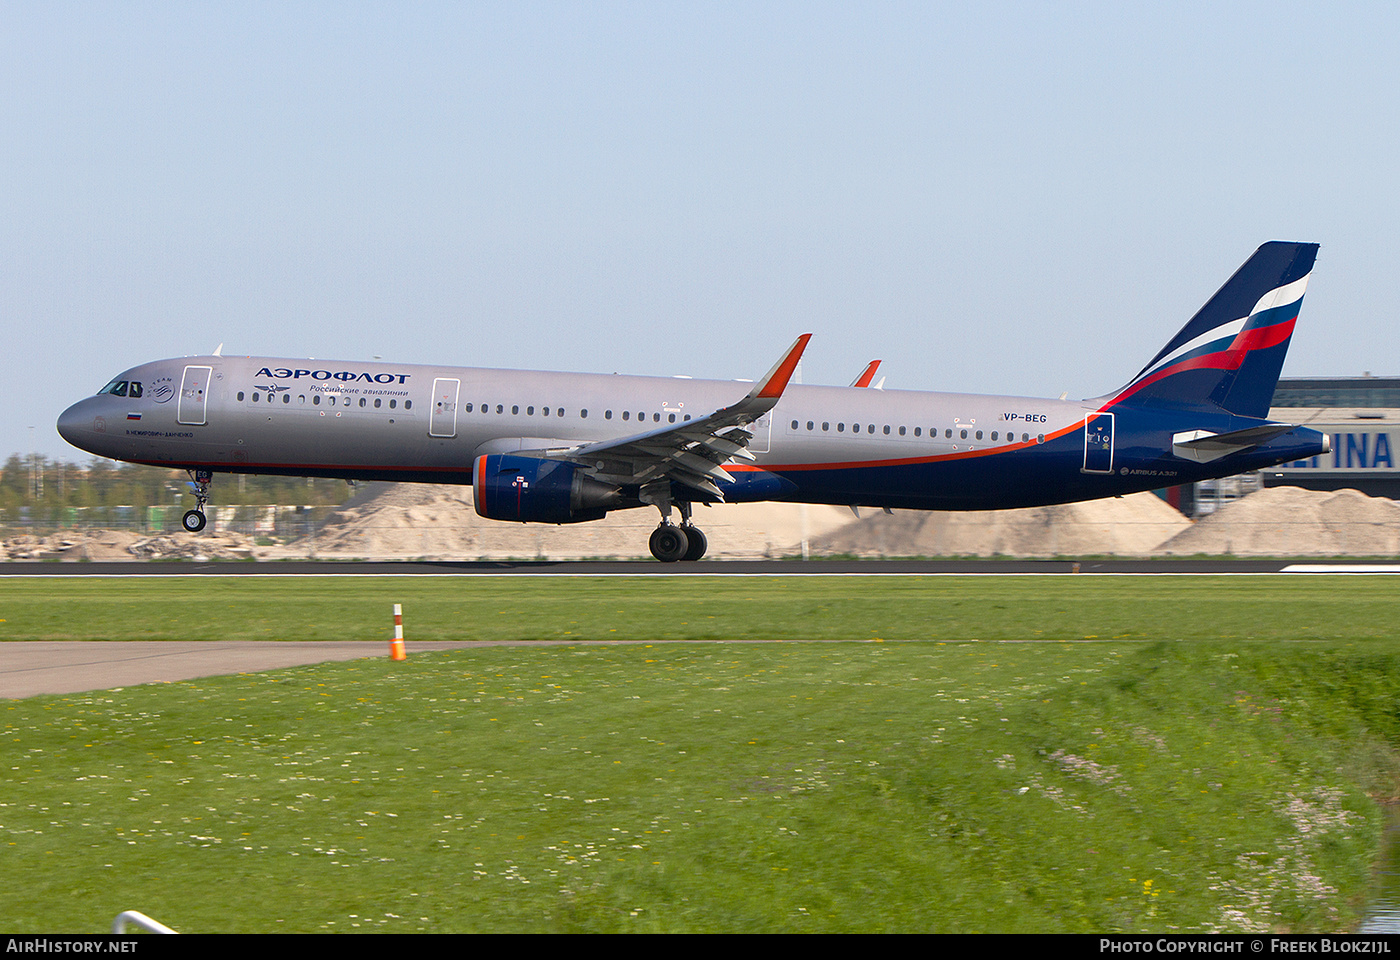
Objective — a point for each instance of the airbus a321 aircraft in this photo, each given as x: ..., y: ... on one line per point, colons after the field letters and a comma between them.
x: 566, y: 447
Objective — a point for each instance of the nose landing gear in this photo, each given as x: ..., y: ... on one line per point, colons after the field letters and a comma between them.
x: 194, y: 520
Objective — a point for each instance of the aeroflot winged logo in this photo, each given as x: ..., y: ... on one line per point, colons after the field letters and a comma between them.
x: 1269, y: 323
x: 345, y: 376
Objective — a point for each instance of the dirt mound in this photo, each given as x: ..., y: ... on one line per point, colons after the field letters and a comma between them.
x: 434, y: 521
x: 110, y: 545
x: 70, y: 545
x: 1127, y: 526
x: 1293, y: 522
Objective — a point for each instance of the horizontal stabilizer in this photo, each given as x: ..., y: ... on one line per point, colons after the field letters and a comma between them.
x: 1204, y: 446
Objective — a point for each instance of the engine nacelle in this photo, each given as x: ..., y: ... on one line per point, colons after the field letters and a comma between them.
x: 531, y: 490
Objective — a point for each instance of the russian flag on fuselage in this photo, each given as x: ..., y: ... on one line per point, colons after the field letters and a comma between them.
x: 1231, y: 352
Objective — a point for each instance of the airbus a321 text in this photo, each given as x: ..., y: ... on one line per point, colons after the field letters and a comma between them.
x: 566, y: 447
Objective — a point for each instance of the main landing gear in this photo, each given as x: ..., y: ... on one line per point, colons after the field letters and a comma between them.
x: 193, y: 520
x: 670, y: 542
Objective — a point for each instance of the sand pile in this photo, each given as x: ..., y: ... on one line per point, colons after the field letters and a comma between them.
x: 406, y: 521
x: 194, y: 546
x: 440, y: 522
x: 110, y: 545
x: 1127, y: 526
x: 1290, y: 522
x: 70, y: 545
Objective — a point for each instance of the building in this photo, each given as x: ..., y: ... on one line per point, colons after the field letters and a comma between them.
x: 1362, y: 417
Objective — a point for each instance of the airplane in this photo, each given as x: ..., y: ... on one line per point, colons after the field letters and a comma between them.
x: 547, y: 447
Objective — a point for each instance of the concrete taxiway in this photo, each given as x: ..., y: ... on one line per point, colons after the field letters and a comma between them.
x: 72, y: 666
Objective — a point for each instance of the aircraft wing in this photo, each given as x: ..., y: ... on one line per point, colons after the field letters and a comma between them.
x: 692, y: 453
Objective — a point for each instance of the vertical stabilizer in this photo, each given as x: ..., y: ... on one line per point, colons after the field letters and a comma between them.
x: 1229, y: 356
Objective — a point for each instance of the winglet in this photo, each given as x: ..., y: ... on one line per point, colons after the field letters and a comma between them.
x: 771, y: 387
x: 867, y: 375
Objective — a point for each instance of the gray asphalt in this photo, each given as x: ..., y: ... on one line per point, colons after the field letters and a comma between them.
x: 708, y: 568
x: 75, y: 666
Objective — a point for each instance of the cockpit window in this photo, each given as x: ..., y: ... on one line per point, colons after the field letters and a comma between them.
x: 122, y: 388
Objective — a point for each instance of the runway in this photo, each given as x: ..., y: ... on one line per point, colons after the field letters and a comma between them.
x: 649, y: 568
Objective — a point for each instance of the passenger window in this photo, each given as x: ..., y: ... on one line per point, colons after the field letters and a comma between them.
x: 979, y: 434
x: 362, y: 403
x: 515, y: 410
x: 840, y: 428
x: 469, y: 406
x: 544, y: 411
x: 826, y: 425
x: 240, y: 396
x: 672, y: 418
x: 963, y: 434
x: 408, y: 404
x: 607, y: 415
x: 887, y: 429
x: 256, y: 397
x: 315, y: 398
x: 393, y: 404
x: 377, y: 402
x: 529, y: 411
x: 626, y: 414
x: 287, y: 398
x: 583, y: 414
x: 916, y: 430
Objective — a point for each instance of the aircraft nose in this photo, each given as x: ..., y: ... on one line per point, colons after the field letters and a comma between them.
x: 77, y: 424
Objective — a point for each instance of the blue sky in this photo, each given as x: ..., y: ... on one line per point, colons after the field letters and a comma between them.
x: 1022, y: 198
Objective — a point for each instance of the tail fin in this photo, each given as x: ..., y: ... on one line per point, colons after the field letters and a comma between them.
x: 1230, y: 354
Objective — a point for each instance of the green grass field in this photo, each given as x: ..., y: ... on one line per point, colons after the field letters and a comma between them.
x: 1208, y: 762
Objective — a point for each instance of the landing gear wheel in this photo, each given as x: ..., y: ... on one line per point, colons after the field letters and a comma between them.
x: 669, y: 543
x: 193, y: 520
x: 698, y: 544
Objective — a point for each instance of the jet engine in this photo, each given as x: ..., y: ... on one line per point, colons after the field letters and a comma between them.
x: 532, y: 490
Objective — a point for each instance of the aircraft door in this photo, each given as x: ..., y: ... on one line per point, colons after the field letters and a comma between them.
x: 194, y: 396
x: 443, y: 422
x: 1098, y: 443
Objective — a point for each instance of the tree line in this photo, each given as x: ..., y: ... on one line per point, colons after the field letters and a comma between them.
x: 38, y: 489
